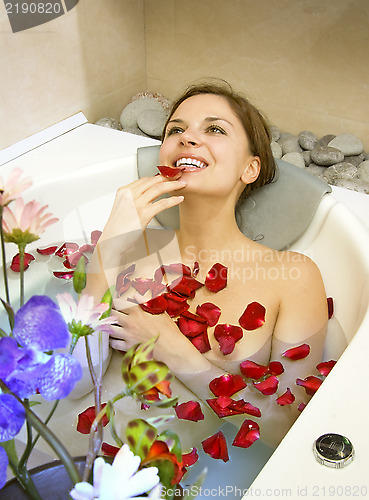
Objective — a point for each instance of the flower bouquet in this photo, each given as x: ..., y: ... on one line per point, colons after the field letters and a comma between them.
x: 36, y: 357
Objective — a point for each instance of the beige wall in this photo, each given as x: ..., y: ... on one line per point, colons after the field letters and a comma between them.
x: 305, y: 63
x: 91, y: 59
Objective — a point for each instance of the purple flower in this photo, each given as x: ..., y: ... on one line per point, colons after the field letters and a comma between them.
x: 39, y: 324
x: 3, y: 465
x: 39, y: 327
x: 12, y: 416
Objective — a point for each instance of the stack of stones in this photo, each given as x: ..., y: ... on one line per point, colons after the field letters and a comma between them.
x: 339, y: 160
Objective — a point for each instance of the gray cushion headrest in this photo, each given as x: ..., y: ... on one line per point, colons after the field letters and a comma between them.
x: 276, y: 214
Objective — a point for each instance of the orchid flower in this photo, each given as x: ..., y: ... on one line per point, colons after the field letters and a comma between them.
x: 119, y: 481
x: 11, y: 189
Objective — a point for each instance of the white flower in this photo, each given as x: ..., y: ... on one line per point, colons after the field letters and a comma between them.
x: 11, y: 189
x: 120, y: 480
x: 84, y: 313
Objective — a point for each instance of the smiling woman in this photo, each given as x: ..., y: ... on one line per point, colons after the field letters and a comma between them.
x: 215, y: 320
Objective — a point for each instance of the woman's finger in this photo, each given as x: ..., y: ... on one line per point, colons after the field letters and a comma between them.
x: 120, y: 345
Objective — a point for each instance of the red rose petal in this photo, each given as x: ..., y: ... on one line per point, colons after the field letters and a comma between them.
x: 227, y: 336
x: 330, y: 307
x: 210, y: 312
x: 298, y: 352
x: 227, y: 385
x: 216, y: 446
x: 301, y: 407
x: 325, y: 367
x: 86, y: 418
x: 253, y: 316
x: 191, y: 325
x: 311, y: 384
x: 86, y: 248
x: 226, y: 407
x: 46, y: 251
x: 67, y: 249
x: 275, y: 368
x: 185, y: 285
x: 216, y: 279
x: 176, y: 268
x: 15, y: 265
x: 65, y: 275
x: 157, y: 305
x: 201, y: 342
x: 268, y: 386
x: 142, y: 285
x: 123, y: 282
x: 196, y: 269
x: 95, y: 236
x: 169, y: 171
x: 177, y: 305
x: 247, y: 435
x: 109, y: 450
x: 189, y: 459
x: 253, y: 370
x: 191, y: 410
x: 286, y: 399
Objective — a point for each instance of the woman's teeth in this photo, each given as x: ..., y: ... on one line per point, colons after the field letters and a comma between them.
x: 190, y: 162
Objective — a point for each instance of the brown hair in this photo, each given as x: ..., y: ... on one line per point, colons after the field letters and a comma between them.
x: 254, y: 123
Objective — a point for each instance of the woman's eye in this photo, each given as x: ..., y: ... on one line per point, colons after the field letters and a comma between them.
x: 174, y: 130
x: 215, y: 129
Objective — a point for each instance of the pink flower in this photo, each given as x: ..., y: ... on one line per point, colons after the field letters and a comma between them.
x: 83, y: 317
x: 11, y: 189
x: 26, y: 223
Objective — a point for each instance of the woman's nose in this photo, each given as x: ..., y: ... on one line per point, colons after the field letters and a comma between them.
x: 189, y: 138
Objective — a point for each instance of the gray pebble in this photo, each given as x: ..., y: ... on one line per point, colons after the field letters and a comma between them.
x: 109, y: 123
x: 295, y: 159
x: 363, y: 170
x: 325, y: 140
x: 276, y: 149
x: 316, y: 170
x: 152, y: 121
x: 342, y: 170
x: 275, y: 133
x: 307, y: 140
x: 290, y: 144
x: 307, y: 157
x: 349, y: 144
x: 326, y: 156
x: 353, y: 185
x: 355, y: 160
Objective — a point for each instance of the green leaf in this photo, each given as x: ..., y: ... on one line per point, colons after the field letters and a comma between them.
x: 127, y: 362
x: 9, y: 312
x: 9, y: 447
x: 165, y: 403
x: 140, y: 436
x: 107, y: 299
x: 166, y: 473
x: 172, y: 440
x: 144, y: 376
x: 146, y: 351
x: 160, y: 420
x: 3, y: 334
x: 79, y: 275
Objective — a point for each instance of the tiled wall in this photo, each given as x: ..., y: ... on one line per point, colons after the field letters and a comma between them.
x: 91, y: 59
x: 305, y: 63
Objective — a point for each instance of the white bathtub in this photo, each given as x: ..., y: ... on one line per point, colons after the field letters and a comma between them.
x: 77, y: 174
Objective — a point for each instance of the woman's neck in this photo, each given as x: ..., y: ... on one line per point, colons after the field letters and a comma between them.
x: 208, y: 230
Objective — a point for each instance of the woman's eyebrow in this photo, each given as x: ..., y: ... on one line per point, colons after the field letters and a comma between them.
x: 217, y: 118
x: 207, y: 119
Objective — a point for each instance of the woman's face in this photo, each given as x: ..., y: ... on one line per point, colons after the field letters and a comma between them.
x: 206, y: 137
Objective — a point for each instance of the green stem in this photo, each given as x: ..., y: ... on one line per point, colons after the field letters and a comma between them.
x: 52, y: 411
x: 48, y: 436
x: 24, y: 480
x: 29, y: 446
x: 21, y: 273
x: 5, y: 274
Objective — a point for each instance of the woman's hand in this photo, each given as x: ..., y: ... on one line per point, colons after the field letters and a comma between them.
x: 137, y: 203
